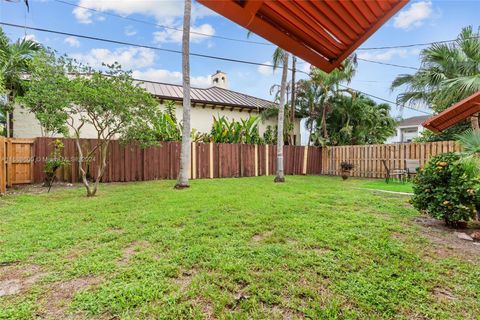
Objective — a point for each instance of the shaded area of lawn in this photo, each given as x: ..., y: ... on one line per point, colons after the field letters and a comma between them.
x: 314, y: 247
x: 380, y: 184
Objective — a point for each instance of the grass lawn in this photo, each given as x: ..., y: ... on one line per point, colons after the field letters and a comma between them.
x: 314, y: 247
x: 380, y: 184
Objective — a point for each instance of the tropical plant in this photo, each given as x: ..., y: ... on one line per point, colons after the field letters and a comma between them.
x: 14, y: 64
x: 449, y: 72
x: 270, y: 135
x: 182, y: 180
x: 355, y: 119
x: 346, y: 168
x: 445, y: 190
x: 243, y: 131
x: 329, y: 86
x: 470, y: 155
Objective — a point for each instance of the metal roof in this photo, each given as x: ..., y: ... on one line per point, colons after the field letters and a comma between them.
x: 321, y: 32
x: 455, y: 114
x: 412, y: 121
x: 209, y: 96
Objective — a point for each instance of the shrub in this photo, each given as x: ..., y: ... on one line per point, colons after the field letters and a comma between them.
x: 346, y: 166
x: 445, y: 190
x: 54, y: 162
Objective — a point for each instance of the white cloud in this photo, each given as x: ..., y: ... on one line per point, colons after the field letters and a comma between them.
x: 414, y: 15
x: 72, y: 42
x: 171, y: 35
x: 164, y: 11
x: 266, y: 70
x: 30, y: 37
x: 130, y: 31
x: 386, y: 55
x: 129, y: 58
x: 162, y: 75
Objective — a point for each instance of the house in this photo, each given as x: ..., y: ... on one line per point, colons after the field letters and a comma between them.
x: 207, y: 103
x: 408, y: 129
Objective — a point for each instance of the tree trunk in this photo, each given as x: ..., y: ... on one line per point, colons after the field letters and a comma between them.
x: 83, y: 173
x: 474, y: 122
x: 280, y: 177
x: 182, y: 181
x: 293, y: 98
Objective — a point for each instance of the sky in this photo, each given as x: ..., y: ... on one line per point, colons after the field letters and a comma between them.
x: 144, y: 22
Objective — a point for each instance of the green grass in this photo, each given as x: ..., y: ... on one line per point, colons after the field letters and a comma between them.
x: 314, y: 247
x: 391, y: 186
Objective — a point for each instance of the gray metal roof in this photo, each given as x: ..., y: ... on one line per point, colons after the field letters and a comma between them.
x: 210, y: 96
x: 413, y: 121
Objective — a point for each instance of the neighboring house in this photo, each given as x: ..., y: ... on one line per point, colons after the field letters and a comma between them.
x: 207, y: 103
x: 408, y: 129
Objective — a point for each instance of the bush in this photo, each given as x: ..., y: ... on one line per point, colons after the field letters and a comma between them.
x: 444, y: 190
x: 346, y: 166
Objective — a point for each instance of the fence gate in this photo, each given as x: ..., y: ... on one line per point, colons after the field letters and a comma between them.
x: 16, y: 162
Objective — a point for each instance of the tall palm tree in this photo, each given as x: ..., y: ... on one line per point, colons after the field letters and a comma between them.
x: 278, y: 56
x: 329, y: 84
x: 293, y: 99
x: 182, y: 181
x: 14, y: 62
x: 449, y: 72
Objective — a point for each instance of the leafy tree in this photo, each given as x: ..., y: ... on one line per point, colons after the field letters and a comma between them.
x: 14, y: 62
x: 182, y: 181
x: 111, y: 102
x: 449, y: 72
x: 357, y: 119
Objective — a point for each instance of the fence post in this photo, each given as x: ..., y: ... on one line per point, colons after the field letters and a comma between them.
x: 266, y: 160
x: 256, y: 160
x: 305, y: 158
x: 194, y: 160
x: 211, y: 160
x: 3, y: 169
x: 9, y: 162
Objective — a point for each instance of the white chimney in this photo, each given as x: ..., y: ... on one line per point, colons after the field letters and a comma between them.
x: 219, y: 79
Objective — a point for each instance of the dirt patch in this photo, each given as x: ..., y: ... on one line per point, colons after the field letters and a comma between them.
x: 445, y: 242
x: 279, y: 312
x: 185, y: 279
x: 15, y: 279
x: 443, y: 294
x: 206, y: 307
x: 261, y: 236
x: 39, y: 188
x: 130, y: 250
x: 59, y: 295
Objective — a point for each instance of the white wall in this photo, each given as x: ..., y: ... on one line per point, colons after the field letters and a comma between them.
x: 27, y: 126
x: 403, y: 134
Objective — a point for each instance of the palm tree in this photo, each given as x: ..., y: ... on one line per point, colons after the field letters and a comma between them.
x: 356, y: 119
x: 329, y: 84
x: 182, y: 181
x: 449, y: 73
x: 14, y: 62
x: 308, y: 99
x: 281, y: 55
x: 470, y: 155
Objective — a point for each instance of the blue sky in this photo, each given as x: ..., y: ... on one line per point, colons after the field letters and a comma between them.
x: 419, y: 21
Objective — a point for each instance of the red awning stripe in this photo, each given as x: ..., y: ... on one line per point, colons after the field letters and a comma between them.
x: 455, y: 114
x: 321, y: 32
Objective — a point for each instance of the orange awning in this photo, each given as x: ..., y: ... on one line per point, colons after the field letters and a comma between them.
x: 455, y: 114
x: 321, y: 32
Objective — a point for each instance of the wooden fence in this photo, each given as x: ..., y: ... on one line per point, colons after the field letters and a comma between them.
x: 23, y: 160
x: 208, y: 160
x: 367, y: 160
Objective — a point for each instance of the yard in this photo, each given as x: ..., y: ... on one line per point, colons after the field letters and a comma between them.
x: 314, y: 247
